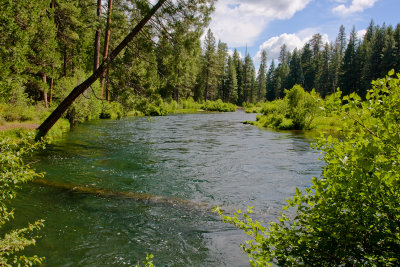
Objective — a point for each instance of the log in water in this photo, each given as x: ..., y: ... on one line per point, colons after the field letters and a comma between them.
x: 140, y: 197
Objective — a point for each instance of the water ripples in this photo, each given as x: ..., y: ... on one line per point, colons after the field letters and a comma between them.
x: 208, y: 158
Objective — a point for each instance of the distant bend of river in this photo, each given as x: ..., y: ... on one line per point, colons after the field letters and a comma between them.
x: 207, y: 158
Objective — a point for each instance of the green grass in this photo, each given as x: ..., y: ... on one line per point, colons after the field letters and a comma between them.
x: 332, y: 123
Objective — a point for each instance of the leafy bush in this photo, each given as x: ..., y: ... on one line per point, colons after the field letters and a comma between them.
x: 151, y: 106
x: 18, y: 108
x: 303, y: 107
x: 189, y: 104
x: 275, y: 115
x: 295, y: 112
x: 85, y: 107
x: 111, y: 110
x: 13, y: 173
x: 148, y: 262
x: 218, y: 105
x: 350, y: 216
x: 254, y: 108
x: 275, y: 107
x: 171, y: 105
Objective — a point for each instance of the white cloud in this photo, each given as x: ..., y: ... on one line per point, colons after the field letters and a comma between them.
x: 293, y: 40
x: 230, y: 52
x: 356, y: 6
x: 240, y: 22
x: 361, y: 33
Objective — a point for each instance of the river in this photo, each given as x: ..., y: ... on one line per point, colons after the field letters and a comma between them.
x: 185, y: 164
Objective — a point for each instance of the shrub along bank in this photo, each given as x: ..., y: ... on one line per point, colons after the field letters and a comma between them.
x: 13, y: 173
x: 299, y: 110
x: 350, y: 216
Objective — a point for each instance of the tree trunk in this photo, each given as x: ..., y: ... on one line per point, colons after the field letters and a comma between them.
x: 78, y: 90
x: 65, y: 61
x: 106, y: 48
x: 107, y: 84
x: 51, y: 90
x: 44, y: 77
x: 97, y: 41
x: 206, y: 88
x: 52, y: 6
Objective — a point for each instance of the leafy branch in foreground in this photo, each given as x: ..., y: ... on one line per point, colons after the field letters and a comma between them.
x: 351, y: 214
x: 13, y: 173
x: 148, y: 262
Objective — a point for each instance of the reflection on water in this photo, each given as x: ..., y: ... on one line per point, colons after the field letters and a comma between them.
x: 210, y: 158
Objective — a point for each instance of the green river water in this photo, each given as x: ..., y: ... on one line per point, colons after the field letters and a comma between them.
x: 185, y: 164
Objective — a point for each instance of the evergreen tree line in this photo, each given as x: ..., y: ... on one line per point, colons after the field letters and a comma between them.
x: 48, y: 47
x: 349, y: 64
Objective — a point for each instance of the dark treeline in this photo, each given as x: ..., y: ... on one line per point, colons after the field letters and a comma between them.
x: 48, y: 47
x: 349, y: 64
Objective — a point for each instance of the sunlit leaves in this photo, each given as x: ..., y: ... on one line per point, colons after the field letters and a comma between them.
x: 14, y: 172
x: 351, y: 214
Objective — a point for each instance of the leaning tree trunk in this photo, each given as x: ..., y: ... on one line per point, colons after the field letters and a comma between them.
x: 78, y: 90
x: 106, y: 48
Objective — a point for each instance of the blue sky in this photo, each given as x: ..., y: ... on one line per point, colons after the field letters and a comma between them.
x: 267, y: 24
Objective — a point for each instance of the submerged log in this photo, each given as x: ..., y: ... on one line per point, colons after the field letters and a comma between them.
x: 140, y: 197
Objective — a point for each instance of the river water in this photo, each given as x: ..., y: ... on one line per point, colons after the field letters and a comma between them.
x: 195, y: 160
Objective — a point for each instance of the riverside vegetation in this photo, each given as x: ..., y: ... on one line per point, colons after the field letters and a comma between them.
x: 299, y: 110
x: 350, y: 215
x: 13, y: 173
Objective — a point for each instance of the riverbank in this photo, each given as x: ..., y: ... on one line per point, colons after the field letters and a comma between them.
x: 16, y: 118
x: 319, y: 124
x: 16, y: 129
x: 18, y: 125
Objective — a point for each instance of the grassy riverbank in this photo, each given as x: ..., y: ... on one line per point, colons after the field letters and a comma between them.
x: 155, y: 106
x: 14, y: 118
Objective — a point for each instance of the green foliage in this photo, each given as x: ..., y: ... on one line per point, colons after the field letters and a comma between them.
x: 61, y: 127
x: 189, y: 104
x: 148, y: 262
x: 155, y: 106
x: 218, y: 105
x: 87, y: 106
x: 111, y: 110
x: 295, y: 112
x: 254, y: 108
x: 152, y: 106
x: 350, y: 216
x: 303, y: 107
x: 22, y: 112
x: 13, y: 173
